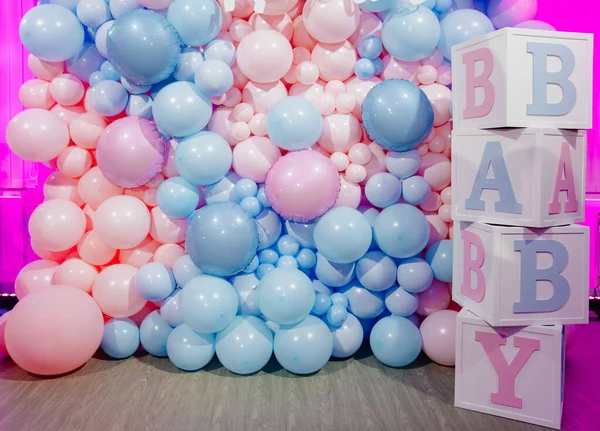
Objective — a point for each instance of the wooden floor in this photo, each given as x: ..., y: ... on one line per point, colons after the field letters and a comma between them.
x: 146, y: 393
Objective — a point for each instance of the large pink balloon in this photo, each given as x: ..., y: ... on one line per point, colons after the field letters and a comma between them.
x: 130, y: 152
x: 139, y: 255
x: 34, y: 276
x: 35, y: 93
x: 435, y: 298
x: 94, y: 188
x: 438, y: 331
x: 114, y: 291
x: 54, y: 331
x: 436, y: 169
x: 3, y: 320
x: 93, y: 250
x: 440, y: 97
x: 86, y: 130
x: 264, y: 56
x: 302, y: 185
x: 57, y: 224
x: 76, y: 273
x: 254, y: 157
x: 340, y: 132
x: 166, y: 230
x: 37, y: 135
x: 122, y: 221
x: 331, y: 21
x: 334, y: 60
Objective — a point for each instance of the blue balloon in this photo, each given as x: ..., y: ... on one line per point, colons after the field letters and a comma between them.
x: 268, y: 256
x: 93, y: 13
x: 133, y: 88
x: 442, y: 6
x: 190, y: 350
x: 336, y: 315
x: 403, y: 164
x: 220, y: 49
x: 197, y: 21
x: 208, y: 304
x: 252, y: 205
x: 269, y: 228
x: 321, y: 305
x: 121, y: 7
x: 439, y: 256
x: 294, y: 123
x: 108, y: 98
x: 285, y: 296
x: 190, y: 60
x: 96, y: 77
x: 51, y: 32
x: 169, y: 309
x: 180, y: 109
x: 397, y: 115
x: 139, y: 105
x: 203, y: 158
x: 177, y: 197
x: 369, y: 47
x: 410, y: 34
x: 253, y: 266
x: 304, y: 348
x: 363, y: 303
x: 415, y: 190
x: 395, y: 341
x: 383, y: 189
x: 377, y: 5
x: 401, y: 230
x: 306, y: 258
x: 184, y: 270
x: 377, y: 65
x: 262, y: 197
x: 222, y: 190
x: 121, y: 338
x: 245, y: 286
x: 339, y: 299
x: 303, y: 232
x: 143, y: 46
x: 400, y: 302
x: 347, y: 338
x: 245, y: 346
x: 69, y: 4
x: 263, y: 269
x: 376, y: 271
x: 109, y: 71
x: 414, y: 275
x: 364, y: 68
x: 333, y: 274
x: 245, y: 188
x: 343, y: 235
x: 154, y: 281
x: 221, y: 239
x: 85, y: 62
x: 287, y: 262
x: 288, y: 246
x: 213, y: 77
x: 460, y: 26
x: 154, y: 332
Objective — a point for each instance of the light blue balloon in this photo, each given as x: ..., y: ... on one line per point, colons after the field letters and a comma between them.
x: 121, y: 338
x: 252, y: 205
x: 377, y: 5
x: 208, y: 304
x: 363, y: 303
x: 395, y: 341
x: 213, y: 77
x: 154, y: 281
x: 288, y: 246
x: 190, y: 60
x: 169, y: 309
x: 109, y: 71
x: 410, y: 34
x: 154, y: 332
x: 364, y: 68
x: 321, y: 288
x: 415, y: 190
x: 383, y: 189
x: 100, y: 35
x: 333, y: 274
x: 304, y: 348
x: 321, y: 305
x: 220, y: 49
x: 262, y: 197
x: 245, y: 286
x: 347, y: 338
x: 221, y: 239
x: 51, y: 32
x: 96, y: 77
x: 339, y: 299
x: 203, y: 158
x: 263, y: 269
x: 377, y: 65
x: 133, y: 88
x: 93, y: 13
x: 442, y: 6
x: 403, y: 164
x: 269, y: 228
x: 306, y: 258
x: 121, y: 7
x: 85, y: 62
x: 184, y: 270
x: 460, y: 26
x: 245, y: 188
x: 439, y: 256
x: 177, y: 197
x: 336, y: 315
x: 143, y: 47
x: 268, y: 256
x: 287, y: 262
x: 303, y: 232
x: 197, y: 21
x: 108, y: 98
x: 285, y: 295
x: 180, y: 109
x: 401, y: 230
x: 253, y: 266
x: 414, y: 275
x: 397, y: 114
x: 400, y: 302
x: 190, y: 350
x: 294, y: 123
x: 343, y: 235
x: 139, y: 105
x: 369, y: 47
x: 376, y: 271
x: 367, y: 325
x: 69, y: 4
x: 245, y: 346
x: 222, y: 190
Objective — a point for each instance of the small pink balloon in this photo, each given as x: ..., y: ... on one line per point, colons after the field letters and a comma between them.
x: 3, y: 319
x: 35, y: 93
x: 115, y: 292
x: 331, y: 21
x: 335, y: 61
x: 445, y: 213
x: 440, y: 97
x: 150, y: 197
x: 438, y: 230
x: 325, y: 103
x: 74, y: 161
x: 258, y: 125
x: 302, y: 185
x: 376, y: 164
x: 301, y: 38
x: 166, y: 230
x: 398, y: 69
x: 340, y: 132
x: 422, y: 148
x: 44, y: 253
x: 57, y: 224
x: 76, y: 273
x: 340, y: 160
x: 167, y: 254
x: 427, y: 74
x: 93, y: 250
x: 309, y: 92
x: 436, y: 169
x: 122, y: 222
x: 264, y: 56
x: 335, y: 87
x: 444, y: 75
x: 221, y: 123
x: 254, y: 157
x: 432, y: 203
x: 345, y: 103
x: 238, y: 29
x: 67, y: 89
x: 46, y: 70
x: 446, y: 195
x: 350, y: 194
x: 34, y: 276
x: 169, y: 169
x: 86, y: 130
x: 356, y: 173
x: 435, y: 298
x: 94, y: 188
x: 300, y: 54
x: 437, y: 145
x: 58, y: 186
x: 307, y: 73
x: 227, y: 20
x: 360, y: 154
x: 359, y: 88
x: 243, y: 112
x: 233, y: 96
x: 139, y: 255
x: 281, y: 23
x: 438, y: 331
x: 278, y: 6
x: 262, y: 96
x: 68, y: 114
x: 435, y: 59
x: 369, y: 25
x: 240, y: 131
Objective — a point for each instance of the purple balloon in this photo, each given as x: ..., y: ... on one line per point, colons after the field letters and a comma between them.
x: 535, y: 25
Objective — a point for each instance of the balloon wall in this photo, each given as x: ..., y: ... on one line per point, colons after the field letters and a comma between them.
x: 240, y: 179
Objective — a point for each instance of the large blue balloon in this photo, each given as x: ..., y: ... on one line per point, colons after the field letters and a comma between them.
x: 203, y: 158
x: 143, y: 47
x: 190, y: 350
x: 333, y: 274
x: 397, y: 115
x: 410, y: 34
x: 401, y: 230
x: 343, y: 235
x: 108, y: 98
x: 439, y: 256
x: 460, y: 26
x: 347, y: 338
x: 294, y: 123
x: 51, y: 32
x: 285, y: 296
x: 395, y: 341
x: 154, y: 281
x: 414, y: 275
x: 121, y: 338
x: 154, y: 332
x: 363, y: 303
x: 197, y: 21
x: 221, y: 239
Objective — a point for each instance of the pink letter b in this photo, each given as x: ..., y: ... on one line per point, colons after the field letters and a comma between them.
x: 482, y: 81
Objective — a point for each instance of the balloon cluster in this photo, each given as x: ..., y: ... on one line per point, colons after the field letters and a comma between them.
x: 241, y: 178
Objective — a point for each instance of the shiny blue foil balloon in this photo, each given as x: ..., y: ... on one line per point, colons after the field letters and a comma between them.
x: 439, y: 256
x: 294, y: 123
x: 343, y: 235
x: 285, y: 295
x: 397, y: 115
x: 221, y: 239
x: 197, y: 21
x: 177, y: 197
x: 190, y: 350
x: 347, y: 338
x: 121, y: 338
x: 401, y: 230
x: 154, y: 332
x: 395, y: 341
x: 410, y: 33
x: 143, y: 47
x: 460, y: 26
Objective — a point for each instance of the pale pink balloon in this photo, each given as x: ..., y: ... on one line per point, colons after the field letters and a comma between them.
x: 114, y: 291
x: 309, y: 92
x: 151, y: 197
x: 334, y: 60
x: 340, y: 132
x: 37, y: 135
x: 258, y: 125
x: 276, y: 7
x: 67, y: 89
x: 436, y: 169
x: 301, y: 38
x: 57, y: 224
x: 137, y: 193
x: 369, y: 25
x: 243, y: 112
x: 302, y: 185
x: 340, y: 160
x: 240, y: 131
x: 345, y: 103
x: 139, y: 255
x: 356, y: 173
x: 74, y: 161
x: 377, y: 162
x: 301, y: 54
x: 307, y: 73
x: 122, y: 222
x: 264, y: 56
x: 440, y: 97
x: 156, y: 181
x: 93, y: 250
x: 446, y: 195
x: 335, y: 88
x: 45, y: 70
x: 35, y: 93
x: 432, y: 203
x: 427, y: 75
x: 233, y: 96
x: 227, y: 20
x: 166, y: 230
x: 296, y: 10
x: 86, y: 129
x: 350, y: 194
x: 331, y: 21
x: 3, y: 319
x: 438, y: 229
x: 445, y: 213
x: 94, y: 188
x: 238, y: 29
x: 44, y: 253
x: 254, y: 157
x: 325, y: 103
x: 155, y: 4
x: 262, y: 96
x: 34, y: 276
x: 139, y: 317
x: 422, y: 148
x: 435, y: 298
x: 360, y: 154
x: 281, y: 23
x: 444, y: 74
x: 58, y: 186
x: 167, y: 254
x: 76, y: 273
x: 359, y: 88
x: 169, y: 169
x: 68, y: 114
x: 398, y: 69
x: 438, y: 331
x: 221, y: 123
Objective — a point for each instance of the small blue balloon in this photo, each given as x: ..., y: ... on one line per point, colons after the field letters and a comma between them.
x: 154, y: 332
x: 460, y: 26
x: 93, y: 13
x: 252, y: 205
x: 177, y: 197
x: 203, y: 158
x: 263, y: 269
x: 139, y: 105
x: 121, y: 7
x: 109, y: 71
x: 245, y: 287
x: 303, y: 232
x: 363, y: 303
x: 376, y: 271
x: 184, y: 270
x: 96, y: 77
x: 154, y: 281
x: 383, y: 189
x: 415, y: 190
x: 395, y: 341
x: 213, y: 77
x: 190, y: 350
x: 343, y: 235
x: 321, y: 288
x: 190, y: 60
x: 108, y: 98
x: 442, y: 6
x: 377, y: 5
x: 336, y: 315
x: 369, y: 47
x: 180, y: 109
x: 414, y: 275
x: 268, y: 256
x: 294, y: 123
x: 439, y: 256
x: 410, y: 34
x: 333, y: 274
x: 403, y: 164
x: 169, y: 309
x: 245, y: 188
x: 339, y: 299
x: 222, y: 190
x: 306, y: 258
x: 287, y: 262
x: 285, y: 296
x: 288, y: 246
x: 321, y: 305
x: 121, y: 338
x: 347, y: 338
x: 69, y: 4
x: 220, y: 49
x: 262, y: 197
x: 85, y: 62
x: 252, y: 266
x: 269, y: 228
x: 377, y: 65
x: 133, y: 88
x: 401, y: 230
x: 197, y: 21
x: 400, y: 302
x: 364, y: 68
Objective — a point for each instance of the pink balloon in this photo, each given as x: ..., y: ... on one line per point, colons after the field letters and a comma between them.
x: 57, y: 224
x: 68, y: 114
x: 369, y: 25
x: 240, y: 131
x: 76, y: 273
x: 254, y: 157
x: 221, y: 123
x: 262, y: 96
x: 46, y: 70
x: 438, y: 229
x: 169, y: 169
x: 377, y: 162
x: 340, y: 132
x: 438, y: 331
x: 115, y: 292
x: 356, y: 173
x: 238, y: 29
x: 302, y: 185
x: 335, y: 60
x: 427, y: 75
x: 243, y: 112
x: 93, y: 250
x: 44, y: 253
x: 86, y: 130
x: 37, y: 135
x: 167, y: 254
x: 151, y: 197
x: 276, y: 7
x: 74, y: 161
x: 58, y: 186
x: 155, y: 4
x: 445, y: 213
x: 307, y: 73
x: 350, y: 194
x: 444, y: 75
x: 54, y: 331
x: 345, y: 103
x: 508, y: 13
x: 139, y: 317
x: 440, y: 97
x: 35, y: 93
x: 122, y: 222
x: 432, y: 203
x: 67, y: 89
x: 281, y: 23
x: 360, y: 154
x: 435, y: 59
x: 130, y: 152
x: 446, y: 195
x: 435, y: 298
x: 340, y: 160
x: 301, y: 38
x: 94, y: 188
x: 309, y: 92
x: 332, y: 21
x: 166, y: 230
x: 3, y: 319
x: 258, y: 125
x: 139, y: 255
x: 34, y: 276
x: 359, y: 88
x: 435, y: 168
x: 264, y: 56
x: 398, y: 69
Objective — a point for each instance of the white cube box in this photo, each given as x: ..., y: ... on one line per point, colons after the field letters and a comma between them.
x: 515, y: 372
x: 519, y: 177
x: 515, y: 276
x: 523, y: 78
